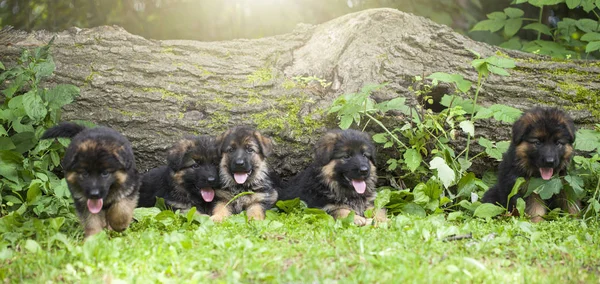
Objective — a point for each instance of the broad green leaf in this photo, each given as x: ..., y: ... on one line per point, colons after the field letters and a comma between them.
x: 544, y: 29
x: 345, y: 122
x: 34, y: 191
x: 44, y: 69
x: 2, y: 66
x: 489, y: 25
x: 458, y: 80
x: 592, y: 46
x: 576, y: 184
x: 588, y: 5
x: 380, y: 138
x: 24, y: 141
x: 498, y: 71
x: 6, y: 143
x: 468, y: 127
x: 590, y: 37
x: 541, y: 3
x: 412, y: 158
x: 289, y: 206
x: 394, y: 104
x: 549, y: 188
x: 383, y: 198
x: 515, y: 189
x: 587, y: 25
x: 513, y: 12
x: 507, y: 63
x: 414, y: 209
x: 444, y: 172
x: 32, y: 246
x: 505, y: 113
x: 587, y: 140
x: 14, y: 86
x: 61, y: 95
x: 488, y: 210
x: 513, y: 43
x: 572, y: 4
x: 496, y: 15
x: 34, y: 106
x: 512, y: 26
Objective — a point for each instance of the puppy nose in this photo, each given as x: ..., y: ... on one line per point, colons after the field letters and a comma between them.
x: 211, y: 179
x: 94, y: 193
x: 239, y: 162
x: 549, y: 160
x: 364, y: 169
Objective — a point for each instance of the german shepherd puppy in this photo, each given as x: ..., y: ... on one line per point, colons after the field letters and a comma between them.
x: 190, y: 178
x: 244, y: 168
x: 100, y: 171
x: 541, y: 146
x: 341, y: 178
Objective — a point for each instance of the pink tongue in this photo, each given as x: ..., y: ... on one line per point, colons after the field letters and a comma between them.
x: 359, y: 185
x: 94, y: 205
x: 207, y: 194
x: 240, y: 178
x: 546, y: 173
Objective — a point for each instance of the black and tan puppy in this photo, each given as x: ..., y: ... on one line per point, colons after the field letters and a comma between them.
x: 190, y: 178
x: 100, y: 171
x: 541, y: 146
x: 244, y: 168
x: 342, y: 177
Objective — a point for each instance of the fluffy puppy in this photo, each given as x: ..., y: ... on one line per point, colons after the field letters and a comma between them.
x: 541, y: 146
x: 244, y: 168
x: 188, y: 180
x: 341, y: 178
x: 100, y: 171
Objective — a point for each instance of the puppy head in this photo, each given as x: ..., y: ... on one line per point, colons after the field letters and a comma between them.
x: 243, y: 151
x: 194, y: 165
x: 347, y: 159
x: 543, y: 139
x: 96, y: 165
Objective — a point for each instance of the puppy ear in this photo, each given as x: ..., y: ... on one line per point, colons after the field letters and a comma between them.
x: 570, y: 125
x: 265, y: 143
x: 68, y: 161
x: 324, y: 147
x: 220, y: 141
x: 124, y: 154
x: 520, y: 127
x: 176, y: 155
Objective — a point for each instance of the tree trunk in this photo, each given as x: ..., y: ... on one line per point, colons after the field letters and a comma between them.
x: 155, y: 92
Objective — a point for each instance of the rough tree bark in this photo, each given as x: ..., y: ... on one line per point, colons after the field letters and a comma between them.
x: 157, y: 91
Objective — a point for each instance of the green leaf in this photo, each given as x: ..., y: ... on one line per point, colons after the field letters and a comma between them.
x: 2, y: 66
x: 6, y: 143
x: 587, y: 140
x: 512, y: 26
x: 547, y: 188
x: 488, y: 210
x: 34, y: 191
x: 413, y: 159
x: 458, y: 80
x: 515, y: 189
x: 61, y: 95
x: 496, y: 15
x: 383, y: 198
x: 544, y: 29
x: 345, y: 122
x: 513, y: 43
x: 489, y: 25
x: 380, y: 138
x: 572, y: 4
x: 34, y: 106
x: 541, y: 3
x: 501, y: 62
x: 289, y: 206
x: 576, y: 184
x: 414, y: 209
x: 32, y: 246
x: 24, y: 141
x: 592, y: 46
x: 45, y: 68
x: 468, y: 127
x: 521, y: 206
x: 394, y: 104
x: 590, y: 37
x: 444, y: 172
x: 505, y: 113
x: 588, y: 5
x: 587, y: 25
x: 14, y: 86
x: 514, y: 12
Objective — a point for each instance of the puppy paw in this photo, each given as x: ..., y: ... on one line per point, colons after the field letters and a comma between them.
x: 360, y: 220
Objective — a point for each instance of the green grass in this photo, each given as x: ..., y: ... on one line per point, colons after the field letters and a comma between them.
x: 305, y: 248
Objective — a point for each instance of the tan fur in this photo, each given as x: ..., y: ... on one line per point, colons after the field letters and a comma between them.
x: 121, y: 177
x: 535, y: 208
x: 87, y: 145
x: 120, y: 214
x: 342, y: 211
x: 255, y: 212
x: 71, y: 177
x: 521, y: 152
x: 220, y: 212
x: 93, y: 223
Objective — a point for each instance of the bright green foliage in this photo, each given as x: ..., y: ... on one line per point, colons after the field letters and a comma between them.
x: 27, y: 165
x: 435, y: 177
x: 305, y: 248
x: 566, y: 40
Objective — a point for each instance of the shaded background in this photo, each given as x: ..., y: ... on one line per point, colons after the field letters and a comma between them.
x: 210, y: 20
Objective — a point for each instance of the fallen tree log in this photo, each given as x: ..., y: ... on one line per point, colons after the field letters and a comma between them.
x: 158, y: 91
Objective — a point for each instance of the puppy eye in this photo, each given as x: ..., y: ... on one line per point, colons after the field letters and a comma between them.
x: 84, y: 174
x: 347, y: 156
x: 560, y: 143
x: 105, y: 174
x: 537, y: 143
x: 230, y: 150
x: 249, y: 150
x: 195, y: 166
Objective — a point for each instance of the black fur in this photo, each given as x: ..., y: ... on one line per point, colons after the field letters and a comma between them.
x: 340, y: 157
x: 99, y: 168
x: 192, y: 166
x: 542, y: 139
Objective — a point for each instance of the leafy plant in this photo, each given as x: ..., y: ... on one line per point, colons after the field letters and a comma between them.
x: 564, y: 38
x: 422, y: 144
x: 27, y: 179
